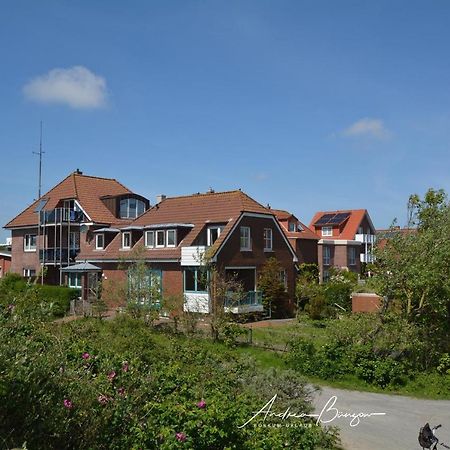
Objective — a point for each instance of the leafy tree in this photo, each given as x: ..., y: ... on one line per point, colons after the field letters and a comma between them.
x: 413, y: 268
x: 271, y: 284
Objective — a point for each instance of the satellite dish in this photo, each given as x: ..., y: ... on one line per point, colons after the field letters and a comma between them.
x: 83, y: 228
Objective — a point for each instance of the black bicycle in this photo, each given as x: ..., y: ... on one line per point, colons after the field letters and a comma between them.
x: 428, y: 439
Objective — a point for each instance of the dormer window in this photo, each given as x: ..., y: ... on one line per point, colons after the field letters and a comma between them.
x: 160, y: 238
x: 213, y: 234
x: 130, y: 208
x: 150, y: 239
x: 99, y: 241
x: 292, y: 226
x: 327, y: 231
x: 126, y: 240
x: 171, y: 238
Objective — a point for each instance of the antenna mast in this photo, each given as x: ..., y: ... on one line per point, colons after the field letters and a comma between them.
x: 40, y: 162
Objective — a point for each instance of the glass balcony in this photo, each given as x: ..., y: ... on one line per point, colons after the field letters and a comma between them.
x: 61, y: 215
x: 55, y: 255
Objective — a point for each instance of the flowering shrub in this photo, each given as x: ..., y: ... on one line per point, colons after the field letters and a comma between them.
x: 120, y: 385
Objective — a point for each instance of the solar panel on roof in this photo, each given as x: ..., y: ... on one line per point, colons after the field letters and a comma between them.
x: 324, y: 219
x: 40, y: 205
x: 339, y: 218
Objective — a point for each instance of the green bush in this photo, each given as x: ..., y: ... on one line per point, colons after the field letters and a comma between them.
x: 120, y: 385
x: 56, y: 299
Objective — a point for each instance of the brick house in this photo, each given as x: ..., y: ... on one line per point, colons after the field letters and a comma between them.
x: 51, y: 232
x: 346, y: 240
x: 5, y: 260
x: 90, y: 228
x: 303, y: 240
x: 236, y: 232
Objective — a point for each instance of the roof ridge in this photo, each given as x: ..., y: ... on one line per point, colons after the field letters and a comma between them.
x: 100, y: 178
x: 204, y: 194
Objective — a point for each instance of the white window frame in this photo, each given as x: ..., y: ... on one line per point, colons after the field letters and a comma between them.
x: 174, y: 238
x: 124, y: 233
x: 159, y: 233
x: 97, y: 246
x: 326, y: 255
x: 27, y: 247
x: 147, y: 234
x: 294, y: 226
x: 208, y: 237
x: 352, y: 256
x: 245, y: 239
x: 27, y: 273
x: 268, y: 239
x: 78, y: 278
x: 327, y: 231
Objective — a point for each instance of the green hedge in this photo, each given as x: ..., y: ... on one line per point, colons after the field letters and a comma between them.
x: 55, y: 298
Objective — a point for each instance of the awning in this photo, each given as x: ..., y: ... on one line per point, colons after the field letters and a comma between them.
x: 104, y: 230
x: 82, y: 267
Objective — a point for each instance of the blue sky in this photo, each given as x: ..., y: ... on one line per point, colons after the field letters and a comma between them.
x: 306, y: 105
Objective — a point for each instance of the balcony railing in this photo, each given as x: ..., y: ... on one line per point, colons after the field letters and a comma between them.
x: 55, y: 255
x: 367, y: 258
x: 60, y: 215
x: 365, y: 238
x: 251, y: 301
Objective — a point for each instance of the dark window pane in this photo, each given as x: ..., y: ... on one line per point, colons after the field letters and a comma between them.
x: 189, y: 280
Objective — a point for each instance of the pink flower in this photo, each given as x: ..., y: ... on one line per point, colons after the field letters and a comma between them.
x: 85, y: 355
x: 68, y: 404
x: 125, y: 366
x: 111, y: 375
x: 180, y: 437
x: 102, y: 399
x: 201, y: 404
x: 121, y: 391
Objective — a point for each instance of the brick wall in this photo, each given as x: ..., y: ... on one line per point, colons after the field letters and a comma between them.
x: 365, y: 302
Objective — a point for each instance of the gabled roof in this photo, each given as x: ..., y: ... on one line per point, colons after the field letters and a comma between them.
x: 350, y: 226
x: 87, y: 190
x: 305, y: 233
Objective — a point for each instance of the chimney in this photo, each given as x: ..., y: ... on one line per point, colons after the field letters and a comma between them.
x: 160, y: 198
x: 78, y: 172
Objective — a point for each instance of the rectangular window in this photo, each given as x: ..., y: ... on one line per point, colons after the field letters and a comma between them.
x: 74, y: 280
x: 283, y: 278
x: 326, y: 255
x: 292, y: 226
x: 29, y: 243
x: 268, y: 236
x: 213, y: 234
x: 126, y: 239
x: 171, y: 238
x: 327, y: 231
x: 195, y: 280
x: 99, y: 241
x: 29, y: 273
x: 160, y: 238
x: 150, y: 239
x: 352, y: 256
x: 74, y: 240
x: 246, y: 243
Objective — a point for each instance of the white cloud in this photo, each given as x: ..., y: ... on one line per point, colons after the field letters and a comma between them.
x: 367, y: 127
x: 76, y: 87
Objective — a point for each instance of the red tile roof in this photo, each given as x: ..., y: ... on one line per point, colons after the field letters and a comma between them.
x: 283, y: 216
x: 350, y: 226
x: 87, y: 190
x: 198, y: 209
